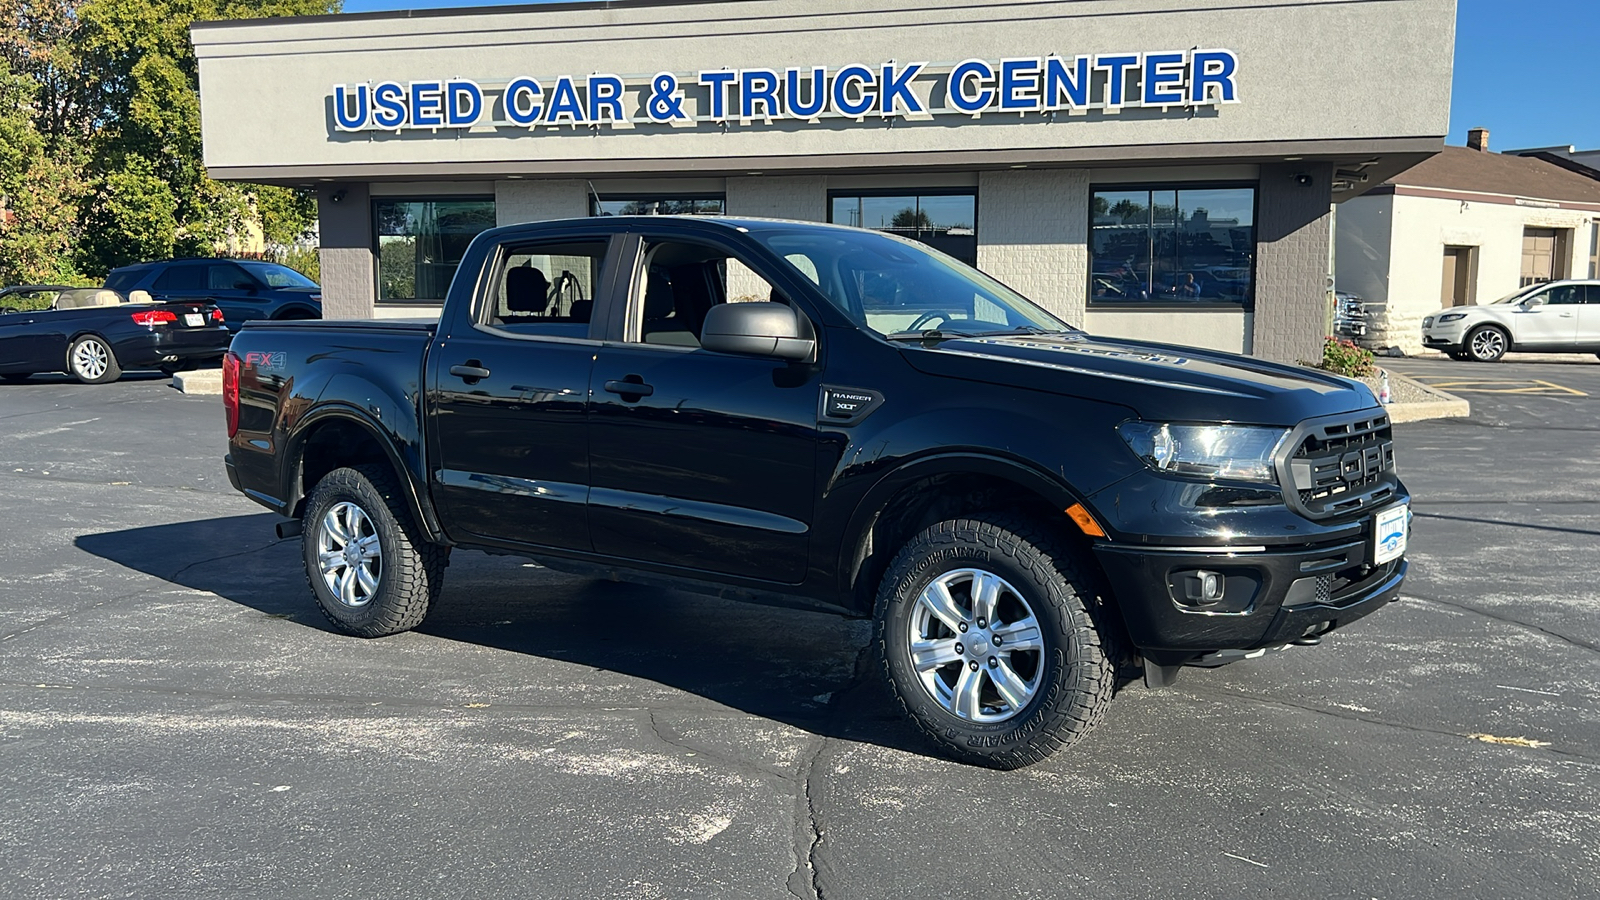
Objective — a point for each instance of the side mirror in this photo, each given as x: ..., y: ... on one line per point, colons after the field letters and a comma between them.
x: 759, y: 329
x: 1533, y: 302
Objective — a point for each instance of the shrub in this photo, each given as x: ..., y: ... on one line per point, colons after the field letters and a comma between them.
x: 1347, y: 359
x: 305, y: 260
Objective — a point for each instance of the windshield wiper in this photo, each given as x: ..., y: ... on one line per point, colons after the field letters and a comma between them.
x: 931, y: 334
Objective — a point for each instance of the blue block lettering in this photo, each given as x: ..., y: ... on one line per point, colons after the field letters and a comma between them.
x: 343, y: 118
x: 1019, y: 84
x: 524, y: 101
x: 463, y: 103
x: 427, y: 104
x: 717, y: 83
x: 1163, y: 79
x: 1117, y: 75
x: 564, y: 103
x: 792, y: 104
x: 388, y: 105
x: 758, y: 87
x: 861, y: 77
x: 1063, y: 87
x: 895, y: 88
x: 960, y: 79
x: 1214, y: 67
x: 605, y: 92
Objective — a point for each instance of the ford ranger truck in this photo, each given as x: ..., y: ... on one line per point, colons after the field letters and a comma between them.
x: 812, y: 414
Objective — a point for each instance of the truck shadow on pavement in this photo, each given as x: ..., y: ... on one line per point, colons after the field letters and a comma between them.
x: 809, y: 670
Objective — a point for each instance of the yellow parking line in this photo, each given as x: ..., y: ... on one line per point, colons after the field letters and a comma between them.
x: 1524, y: 386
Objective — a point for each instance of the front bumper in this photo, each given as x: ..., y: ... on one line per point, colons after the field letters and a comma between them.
x: 1449, y: 336
x: 1272, y: 596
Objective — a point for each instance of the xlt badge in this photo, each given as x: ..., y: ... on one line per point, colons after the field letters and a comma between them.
x: 847, y: 405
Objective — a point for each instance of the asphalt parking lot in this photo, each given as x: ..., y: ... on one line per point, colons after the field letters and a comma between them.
x: 176, y: 720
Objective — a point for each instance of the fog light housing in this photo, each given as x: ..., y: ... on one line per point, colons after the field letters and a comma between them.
x: 1204, y: 587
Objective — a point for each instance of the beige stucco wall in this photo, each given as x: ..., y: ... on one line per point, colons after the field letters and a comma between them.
x: 266, y: 85
x: 1033, y: 231
x: 1213, y: 329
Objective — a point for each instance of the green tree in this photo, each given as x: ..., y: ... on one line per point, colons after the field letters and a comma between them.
x: 911, y: 218
x: 38, y: 190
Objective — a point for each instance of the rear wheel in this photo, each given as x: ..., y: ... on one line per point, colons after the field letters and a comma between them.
x: 1487, y: 343
x: 994, y: 641
x: 372, y: 571
x: 91, y: 361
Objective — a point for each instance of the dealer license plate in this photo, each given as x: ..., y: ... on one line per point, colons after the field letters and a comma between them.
x: 193, y: 320
x: 1389, y: 534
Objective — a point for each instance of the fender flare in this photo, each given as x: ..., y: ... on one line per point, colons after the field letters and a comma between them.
x: 865, y: 515
x: 416, y: 496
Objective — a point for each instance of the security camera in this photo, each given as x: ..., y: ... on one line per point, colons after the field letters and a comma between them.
x: 1302, y: 179
x: 336, y: 196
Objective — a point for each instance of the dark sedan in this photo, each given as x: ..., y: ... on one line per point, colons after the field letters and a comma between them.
x: 93, y: 334
x: 244, y: 289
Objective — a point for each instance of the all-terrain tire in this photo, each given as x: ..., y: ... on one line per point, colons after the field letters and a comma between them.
x: 91, y: 360
x: 1074, y: 671
x: 411, y: 575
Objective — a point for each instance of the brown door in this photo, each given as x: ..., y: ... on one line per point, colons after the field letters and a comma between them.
x: 1457, y: 284
x: 1538, y: 255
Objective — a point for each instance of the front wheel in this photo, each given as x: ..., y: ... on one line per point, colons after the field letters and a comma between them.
x: 994, y: 641
x: 372, y: 571
x: 1487, y: 343
x: 91, y: 361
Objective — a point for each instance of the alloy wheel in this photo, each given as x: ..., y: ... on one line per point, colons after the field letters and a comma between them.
x: 90, y: 359
x: 1488, y: 344
x: 976, y: 645
x: 349, y: 554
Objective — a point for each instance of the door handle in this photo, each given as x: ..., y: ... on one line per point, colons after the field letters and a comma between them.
x: 469, y: 372
x: 630, y: 388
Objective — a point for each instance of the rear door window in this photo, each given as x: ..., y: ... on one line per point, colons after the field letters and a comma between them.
x: 181, y: 278
x: 227, y: 277
x: 547, y: 288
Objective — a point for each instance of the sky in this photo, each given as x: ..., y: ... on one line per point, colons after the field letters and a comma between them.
x: 1527, y: 70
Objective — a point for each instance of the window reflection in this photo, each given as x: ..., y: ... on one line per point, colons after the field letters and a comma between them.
x: 947, y: 222
x: 421, y: 242
x: 1166, y: 246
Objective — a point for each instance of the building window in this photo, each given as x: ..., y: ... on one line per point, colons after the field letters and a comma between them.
x: 654, y: 205
x: 421, y: 242
x: 944, y: 220
x: 1157, y: 246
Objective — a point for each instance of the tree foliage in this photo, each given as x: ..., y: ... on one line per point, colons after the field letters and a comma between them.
x: 100, y: 143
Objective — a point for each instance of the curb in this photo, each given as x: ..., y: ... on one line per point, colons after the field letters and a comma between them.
x: 1440, y: 405
x: 200, y: 381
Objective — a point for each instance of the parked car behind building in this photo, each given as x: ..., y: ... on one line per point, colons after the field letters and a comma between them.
x: 244, y: 289
x: 1558, y: 317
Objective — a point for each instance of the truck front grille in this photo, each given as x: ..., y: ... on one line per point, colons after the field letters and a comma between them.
x: 1342, y: 466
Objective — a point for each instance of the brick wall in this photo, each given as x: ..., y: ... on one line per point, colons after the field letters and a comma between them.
x: 1294, y: 230
x: 540, y: 199
x: 348, y: 285
x: 1033, y: 233
x: 803, y: 197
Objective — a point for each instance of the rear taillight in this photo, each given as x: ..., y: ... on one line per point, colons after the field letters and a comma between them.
x: 230, y: 391
x: 155, y: 317
x: 216, y: 315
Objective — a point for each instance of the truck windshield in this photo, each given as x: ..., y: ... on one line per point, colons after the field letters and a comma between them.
x: 899, y: 288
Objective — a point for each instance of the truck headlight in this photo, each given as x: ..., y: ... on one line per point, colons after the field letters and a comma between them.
x: 1451, y: 317
x: 1220, y: 452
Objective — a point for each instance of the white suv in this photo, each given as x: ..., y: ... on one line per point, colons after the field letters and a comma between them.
x: 1553, y: 317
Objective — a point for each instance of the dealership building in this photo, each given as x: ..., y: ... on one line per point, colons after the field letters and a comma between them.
x: 1161, y: 169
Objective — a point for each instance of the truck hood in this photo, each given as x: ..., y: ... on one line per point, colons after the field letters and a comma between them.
x: 1159, y: 382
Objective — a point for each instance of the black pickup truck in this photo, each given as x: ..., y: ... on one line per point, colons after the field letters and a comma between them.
x: 803, y: 413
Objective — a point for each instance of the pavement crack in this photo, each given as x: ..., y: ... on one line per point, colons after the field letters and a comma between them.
x: 201, y: 562
x: 1215, y: 693
x: 1503, y: 523
x: 668, y: 736
x: 60, y: 616
x: 805, y: 881
x: 1538, y: 629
